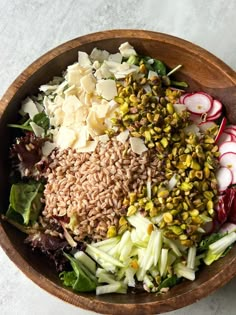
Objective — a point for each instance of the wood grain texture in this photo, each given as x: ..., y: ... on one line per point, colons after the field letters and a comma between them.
x: 204, y: 72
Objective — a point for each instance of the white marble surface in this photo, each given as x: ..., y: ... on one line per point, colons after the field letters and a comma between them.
x: 30, y: 28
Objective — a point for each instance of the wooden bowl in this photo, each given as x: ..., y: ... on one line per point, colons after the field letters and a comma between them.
x: 204, y: 72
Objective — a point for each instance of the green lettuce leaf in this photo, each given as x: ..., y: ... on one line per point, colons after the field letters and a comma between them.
x: 80, y: 279
x: 42, y: 120
x: 25, y: 202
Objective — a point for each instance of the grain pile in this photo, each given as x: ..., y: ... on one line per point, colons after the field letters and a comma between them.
x: 91, y: 187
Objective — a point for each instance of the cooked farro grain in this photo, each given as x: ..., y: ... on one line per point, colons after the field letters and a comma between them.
x: 92, y: 186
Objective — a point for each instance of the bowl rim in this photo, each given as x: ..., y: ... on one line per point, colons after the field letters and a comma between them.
x: 81, y: 301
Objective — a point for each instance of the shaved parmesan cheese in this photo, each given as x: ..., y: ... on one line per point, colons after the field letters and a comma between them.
x: 90, y: 146
x: 70, y: 91
x: 65, y: 137
x: 88, y: 83
x: 103, y: 72
x: 74, y: 77
x: 115, y: 57
x: 84, y: 60
x: 61, y: 87
x: 103, y: 138
x: 123, y: 136
x: 82, y: 137
x: 106, y: 88
x: 38, y: 131
x: 71, y: 104
x: 48, y: 88
x: 96, y: 65
x: 99, y: 55
x: 48, y: 147
x: 95, y: 125
x: 81, y: 115
x: 127, y: 50
x: 29, y: 107
x: 137, y: 145
x: 101, y: 109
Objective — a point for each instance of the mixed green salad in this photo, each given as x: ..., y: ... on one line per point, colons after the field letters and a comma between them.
x: 182, y: 218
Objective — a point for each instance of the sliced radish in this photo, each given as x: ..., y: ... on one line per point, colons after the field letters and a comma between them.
x: 229, y: 160
x: 211, y: 118
x: 182, y: 97
x: 216, y: 109
x: 224, y: 137
x: 221, y: 129
x: 206, y: 125
x: 224, y: 178
x: 198, y: 103
x: 231, y: 127
x: 230, y: 131
x: 233, y: 137
x: 226, y: 147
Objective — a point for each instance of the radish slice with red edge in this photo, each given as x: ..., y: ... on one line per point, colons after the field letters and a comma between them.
x: 233, y: 137
x: 211, y: 118
x: 229, y: 160
x: 198, y: 103
x: 224, y: 137
x: 182, y: 97
x: 231, y: 127
x: 221, y: 128
x: 206, y: 125
x: 226, y: 147
x: 230, y: 131
x: 224, y: 178
x: 216, y: 109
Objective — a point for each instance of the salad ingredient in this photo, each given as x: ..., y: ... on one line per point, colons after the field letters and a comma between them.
x: 218, y: 248
x: 221, y: 129
x: 227, y: 147
x: 204, y: 126
x: 51, y: 246
x: 198, y: 103
x: 224, y: 178
x: 25, y: 202
x: 107, y: 174
x: 80, y: 279
x: 26, y: 152
x: 133, y: 179
x: 224, y: 137
x: 215, y: 110
x: 229, y: 160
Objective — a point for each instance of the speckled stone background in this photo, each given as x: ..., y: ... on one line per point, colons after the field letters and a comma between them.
x: 30, y: 28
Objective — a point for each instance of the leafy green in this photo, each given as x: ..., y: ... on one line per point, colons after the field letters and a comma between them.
x: 159, y: 67
x: 25, y: 202
x: 80, y: 279
x: 24, y: 127
x: 179, y: 83
x: 169, y: 282
x: 42, y: 120
x: 68, y: 278
x: 206, y: 242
